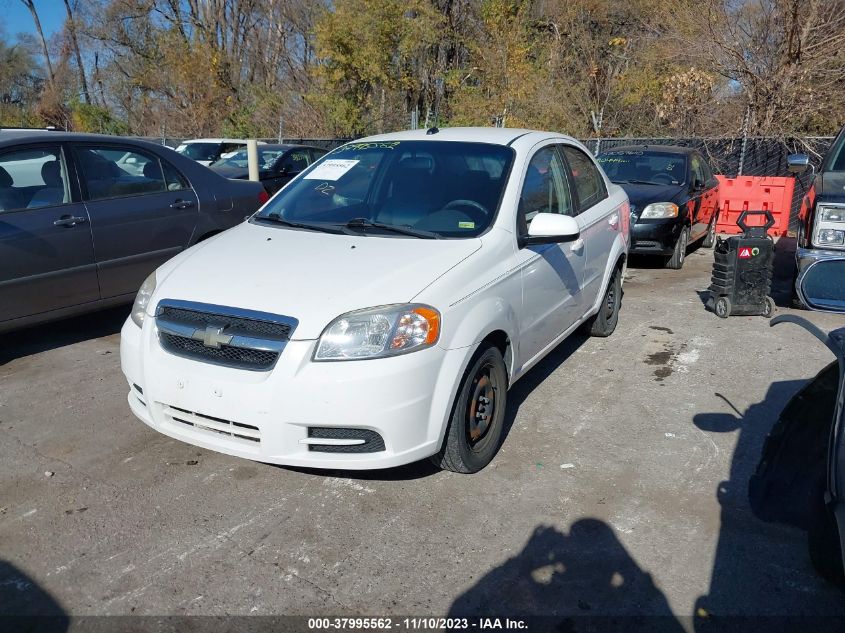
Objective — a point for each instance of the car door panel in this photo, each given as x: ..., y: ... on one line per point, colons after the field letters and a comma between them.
x: 134, y: 231
x: 46, y: 252
x: 598, y: 220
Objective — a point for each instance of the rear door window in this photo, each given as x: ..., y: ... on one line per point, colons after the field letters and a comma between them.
x: 105, y: 174
x: 33, y: 178
x: 589, y: 184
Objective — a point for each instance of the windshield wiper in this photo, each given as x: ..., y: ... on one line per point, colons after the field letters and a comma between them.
x: 278, y: 219
x: 640, y: 182
x: 364, y: 223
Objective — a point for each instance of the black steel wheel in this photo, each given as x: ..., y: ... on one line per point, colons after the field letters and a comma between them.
x: 676, y: 261
x: 604, y: 322
x: 475, y: 428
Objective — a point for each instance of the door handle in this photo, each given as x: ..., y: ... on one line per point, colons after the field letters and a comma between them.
x: 577, y: 245
x: 68, y: 221
x: 182, y: 204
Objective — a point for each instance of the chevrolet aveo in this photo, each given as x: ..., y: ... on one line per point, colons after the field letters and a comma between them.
x: 377, y: 309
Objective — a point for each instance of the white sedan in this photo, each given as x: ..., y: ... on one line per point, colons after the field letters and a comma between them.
x: 377, y: 309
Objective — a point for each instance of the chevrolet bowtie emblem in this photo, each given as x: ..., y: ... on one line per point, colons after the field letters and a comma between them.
x: 212, y: 336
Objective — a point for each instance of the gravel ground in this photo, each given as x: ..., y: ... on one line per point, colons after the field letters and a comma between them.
x: 621, y: 487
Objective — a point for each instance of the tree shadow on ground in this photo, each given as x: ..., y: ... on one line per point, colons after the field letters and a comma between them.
x: 25, y: 606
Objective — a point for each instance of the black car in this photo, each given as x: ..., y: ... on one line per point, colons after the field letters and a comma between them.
x: 800, y: 479
x: 277, y: 164
x: 674, y: 198
x: 85, y: 218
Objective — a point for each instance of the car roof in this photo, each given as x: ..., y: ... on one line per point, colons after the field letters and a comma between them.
x: 60, y: 137
x: 215, y: 140
x: 665, y: 149
x: 495, y: 135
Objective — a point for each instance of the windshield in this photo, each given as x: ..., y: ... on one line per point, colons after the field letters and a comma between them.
x: 644, y: 167
x: 266, y: 159
x: 443, y: 188
x: 199, y: 151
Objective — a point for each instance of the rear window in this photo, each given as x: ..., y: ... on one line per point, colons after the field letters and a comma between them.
x: 448, y: 188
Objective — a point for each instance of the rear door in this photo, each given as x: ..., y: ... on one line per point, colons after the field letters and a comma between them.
x: 137, y: 222
x: 598, y: 220
x: 46, y: 250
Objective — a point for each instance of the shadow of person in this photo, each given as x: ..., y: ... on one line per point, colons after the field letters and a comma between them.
x: 25, y: 606
x: 576, y: 581
x: 760, y: 569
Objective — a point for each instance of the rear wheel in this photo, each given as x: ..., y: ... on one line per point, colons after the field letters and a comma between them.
x: 604, y: 322
x: 478, y: 414
x: 710, y: 238
x: 723, y: 307
x: 676, y: 261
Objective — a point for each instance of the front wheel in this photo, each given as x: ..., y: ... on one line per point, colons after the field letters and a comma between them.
x: 676, y: 261
x: 478, y: 415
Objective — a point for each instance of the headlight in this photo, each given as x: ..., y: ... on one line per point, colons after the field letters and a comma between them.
x: 379, y: 332
x: 831, y: 237
x: 658, y: 210
x: 828, y: 229
x: 831, y: 214
x: 142, y: 299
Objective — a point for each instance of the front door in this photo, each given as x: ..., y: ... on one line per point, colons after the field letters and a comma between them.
x: 46, y: 250
x: 552, y: 274
x: 138, y: 221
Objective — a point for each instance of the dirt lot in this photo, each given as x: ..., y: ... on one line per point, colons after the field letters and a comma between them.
x: 621, y: 488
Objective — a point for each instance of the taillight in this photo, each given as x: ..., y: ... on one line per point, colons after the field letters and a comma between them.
x: 263, y: 197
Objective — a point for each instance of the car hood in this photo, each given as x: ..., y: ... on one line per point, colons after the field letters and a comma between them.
x: 641, y: 196
x: 312, y: 277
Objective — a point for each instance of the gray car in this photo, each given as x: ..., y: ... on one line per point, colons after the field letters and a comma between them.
x: 85, y: 218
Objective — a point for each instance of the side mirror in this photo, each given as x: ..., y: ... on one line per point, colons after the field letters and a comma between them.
x: 552, y: 228
x: 797, y: 163
x: 822, y: 285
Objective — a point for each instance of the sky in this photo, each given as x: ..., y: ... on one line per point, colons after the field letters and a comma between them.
x: 15, y: 17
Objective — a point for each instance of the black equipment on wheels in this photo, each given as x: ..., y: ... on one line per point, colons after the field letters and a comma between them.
x: 742, y: 271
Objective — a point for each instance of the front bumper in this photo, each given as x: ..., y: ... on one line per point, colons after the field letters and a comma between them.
x: 654, y: 237
x: 265, y: 416
x: 806, y: 256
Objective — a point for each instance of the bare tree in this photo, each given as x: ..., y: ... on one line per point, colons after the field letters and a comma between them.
x: 71, y: 27
x: 30, y: 4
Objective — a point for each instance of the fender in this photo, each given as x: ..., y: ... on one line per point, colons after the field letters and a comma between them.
x: 480, y: 320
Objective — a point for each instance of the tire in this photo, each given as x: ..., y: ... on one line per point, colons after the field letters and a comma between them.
x: 710, y: 238
x: 604, y: 322
x: 676, y: 261
x: 769, y: 307
x: 722, y: 307
x: 471, y: 441
x: 823, y: 539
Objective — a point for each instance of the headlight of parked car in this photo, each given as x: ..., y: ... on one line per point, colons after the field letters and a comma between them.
x: 658, y: 210
x: 829, y: 230
x: 379, y: 332
x: 142, y: 299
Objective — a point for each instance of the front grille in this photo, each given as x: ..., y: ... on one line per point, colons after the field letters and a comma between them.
x: 238, y: 357
x: 373, y: 442
x: 242, y: 339
x: 247, y: 326
x: 208, y: 424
